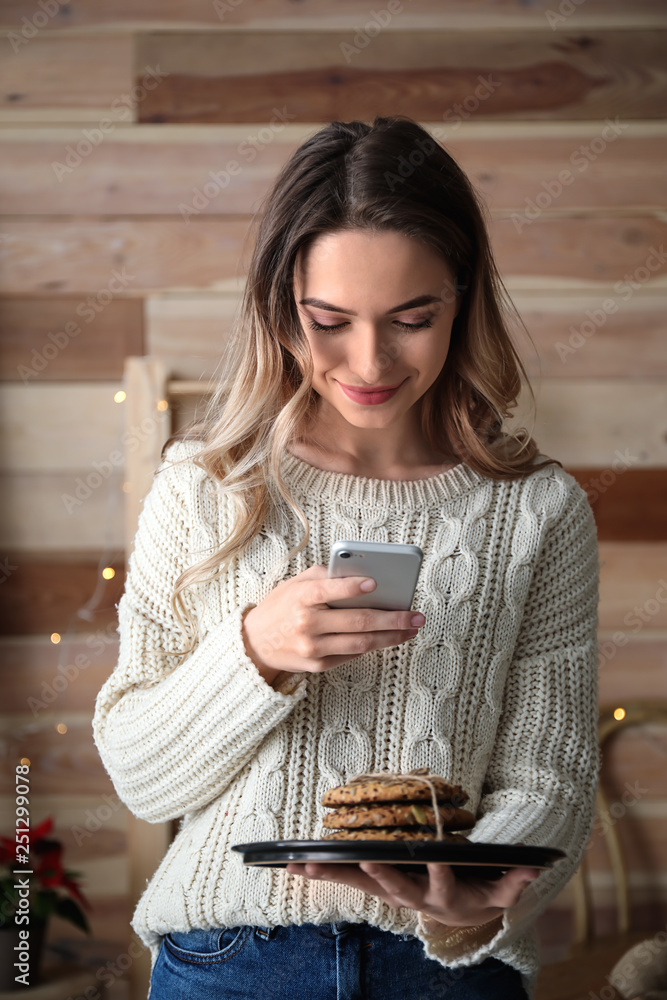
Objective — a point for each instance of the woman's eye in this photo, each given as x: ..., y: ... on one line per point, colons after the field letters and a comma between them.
x: 314, y: 325
x: 321, y: 328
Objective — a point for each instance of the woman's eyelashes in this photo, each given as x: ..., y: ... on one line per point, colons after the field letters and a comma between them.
x: 321, y: 328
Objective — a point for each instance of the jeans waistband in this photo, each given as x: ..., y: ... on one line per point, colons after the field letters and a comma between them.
x: 335, y: 928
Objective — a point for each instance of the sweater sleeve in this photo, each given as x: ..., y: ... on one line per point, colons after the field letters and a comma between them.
x: 541, y: 779
x: 173, y: 731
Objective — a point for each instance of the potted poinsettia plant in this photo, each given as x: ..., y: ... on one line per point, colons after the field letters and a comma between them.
x: 51, y: 888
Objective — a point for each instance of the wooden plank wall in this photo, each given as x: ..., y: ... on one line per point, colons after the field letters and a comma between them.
x: 113, y: 118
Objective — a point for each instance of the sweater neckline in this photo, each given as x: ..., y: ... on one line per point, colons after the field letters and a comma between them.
x: 342, y: 487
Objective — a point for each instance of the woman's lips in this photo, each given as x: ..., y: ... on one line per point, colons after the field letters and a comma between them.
x: 369, y: 398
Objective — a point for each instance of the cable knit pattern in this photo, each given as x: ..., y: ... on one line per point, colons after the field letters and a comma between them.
x: 498, y: 693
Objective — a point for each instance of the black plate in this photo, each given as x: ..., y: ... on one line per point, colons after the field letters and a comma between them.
x: 472, y: 860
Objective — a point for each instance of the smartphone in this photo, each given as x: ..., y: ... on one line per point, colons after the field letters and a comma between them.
x: 393, y: 566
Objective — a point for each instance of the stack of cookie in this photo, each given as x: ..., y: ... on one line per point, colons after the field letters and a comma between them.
x: 396, y: 807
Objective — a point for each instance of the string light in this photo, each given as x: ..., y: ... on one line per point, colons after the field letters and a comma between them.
x: 619, y: 713
x: 105, y: 572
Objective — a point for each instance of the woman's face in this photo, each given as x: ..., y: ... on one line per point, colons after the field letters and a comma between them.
x: 386, y: 304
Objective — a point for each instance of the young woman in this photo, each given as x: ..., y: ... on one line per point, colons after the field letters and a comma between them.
x: 363, y: 397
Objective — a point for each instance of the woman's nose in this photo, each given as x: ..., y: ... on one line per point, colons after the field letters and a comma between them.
x: 372, y: 355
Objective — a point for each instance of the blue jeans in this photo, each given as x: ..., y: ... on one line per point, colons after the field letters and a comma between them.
x: 334, y: 961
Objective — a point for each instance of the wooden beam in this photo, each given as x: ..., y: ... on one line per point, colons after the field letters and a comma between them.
x: 324, y: 76
x: 211, y: 253
x: 155, y: 15
x: 620, y: 171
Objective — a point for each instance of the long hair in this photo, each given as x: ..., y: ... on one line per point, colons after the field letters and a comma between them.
x: 390, y: 175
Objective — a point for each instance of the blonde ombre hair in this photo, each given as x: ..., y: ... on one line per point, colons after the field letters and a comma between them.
x: 388, y: 176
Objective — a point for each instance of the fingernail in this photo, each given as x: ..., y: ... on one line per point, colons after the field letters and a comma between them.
x: 417, y: 620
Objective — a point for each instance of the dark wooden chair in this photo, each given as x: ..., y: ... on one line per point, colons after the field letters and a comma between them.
x: 590, y: 958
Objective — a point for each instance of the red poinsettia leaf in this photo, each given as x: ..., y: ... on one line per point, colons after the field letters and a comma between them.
x: 47, y: 847
x: 52, y: 856
x: 74, y: 889
x: 43, y: 829
x: 7, y: 851
x: 68, y: 910
x: 50, y: 870
x: 51, y: 878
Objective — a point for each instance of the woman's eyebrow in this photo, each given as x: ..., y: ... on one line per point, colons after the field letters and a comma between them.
x: 420, y: 300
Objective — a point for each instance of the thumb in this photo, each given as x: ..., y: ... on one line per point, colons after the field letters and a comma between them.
x: 522, y: 876
x: 511, y: 885
x: 316, y: 572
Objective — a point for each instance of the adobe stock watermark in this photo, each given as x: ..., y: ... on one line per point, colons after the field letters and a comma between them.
x: 622, y: 979
x: 460, y: 112
x: 130, y: 441
x: 68, y: 673
x: 32, y: 25
x: 95, y: 819
x: 440, y: 981
x: 112, y: 971
x: 371, y: 29
x: 600, y: 484
x: 6, y: 569
x: 640, y: 615
x: 92, y: 138
x: 57, y: 341
x: 407, y: 163
x: 565, y: 9
x: 632, y: 794
x: 554, y: 187
x: 248, y: 150
x: 222, y: 7
x: 596, y: 318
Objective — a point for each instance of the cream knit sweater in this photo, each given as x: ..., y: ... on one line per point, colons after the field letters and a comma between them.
x: 498, y: 693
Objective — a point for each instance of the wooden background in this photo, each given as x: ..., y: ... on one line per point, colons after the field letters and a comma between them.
x: 116, y: 240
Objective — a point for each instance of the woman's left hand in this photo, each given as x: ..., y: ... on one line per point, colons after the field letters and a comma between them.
x: 449, y: 900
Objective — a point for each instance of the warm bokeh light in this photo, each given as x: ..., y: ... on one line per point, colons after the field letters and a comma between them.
x: 25, y: 761
x: 61, y: 727
x: 120, y: 396
x: 55, y: 638
x: 108, y: 572
x: 619, y: 713
x: 163, y: 405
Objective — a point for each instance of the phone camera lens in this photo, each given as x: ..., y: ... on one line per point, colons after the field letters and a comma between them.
x: 344, y: 555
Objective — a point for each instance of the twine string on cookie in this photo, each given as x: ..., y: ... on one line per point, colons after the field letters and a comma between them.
x: 390, y: 778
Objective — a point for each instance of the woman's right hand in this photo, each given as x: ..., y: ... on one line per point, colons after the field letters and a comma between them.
x: 293, y: 629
